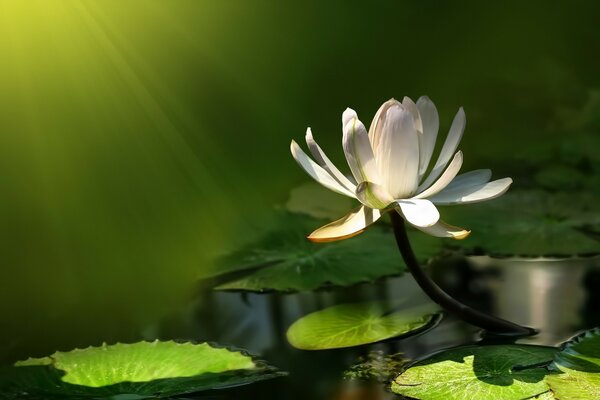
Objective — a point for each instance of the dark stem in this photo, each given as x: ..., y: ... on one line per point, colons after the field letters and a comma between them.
x: 489, y: 323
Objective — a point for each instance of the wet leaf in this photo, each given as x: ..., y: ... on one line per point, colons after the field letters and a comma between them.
x: 285, y: 260
x: 507, y: 372
x: 354, y: 324
x: 530, y: 223
x: 579, y: 367
x: 138, y: 370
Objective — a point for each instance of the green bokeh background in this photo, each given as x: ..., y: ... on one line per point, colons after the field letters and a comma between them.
x: 140, y: 138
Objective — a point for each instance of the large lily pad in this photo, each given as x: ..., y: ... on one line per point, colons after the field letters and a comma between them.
x: 579, y: 367
x: 530, y: 223
x: 285, y: 260
x: 507, y: 372
x: 131, y: 371
x: 354, y: 324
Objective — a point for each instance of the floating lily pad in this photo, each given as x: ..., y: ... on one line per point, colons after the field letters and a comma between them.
x: 579, y: 367
x: 134, y: 371
x: 285, y: 260
x: 530, y: 223
x: 355, y: 324
x: 507, y: 372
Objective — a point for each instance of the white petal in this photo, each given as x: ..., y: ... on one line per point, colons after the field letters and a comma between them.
x: 412, y: 107
x: 471, y: 178
x: 373, y: 195
x: 431, y: 124
x: 317, y: 173
x: 375, y: 128
x: 397, y: 152
x: 419, y: 212
x: 444, y: 180
x: 346, y: 227
x: 358, y: 151
x: 326, y: 163
x: 468, y: 193
x: 347, y: 116
x: 442, y: 229
x: 450, y: 145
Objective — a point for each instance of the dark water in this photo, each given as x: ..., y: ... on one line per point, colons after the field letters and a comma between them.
x: 558, y: 297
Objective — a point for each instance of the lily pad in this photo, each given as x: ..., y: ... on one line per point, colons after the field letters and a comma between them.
x: 285, y: 260
x: 507, y: 372
x: 530, y: 223
x: 355, y: 324
x: 579, y: 367
x: 134, y: 371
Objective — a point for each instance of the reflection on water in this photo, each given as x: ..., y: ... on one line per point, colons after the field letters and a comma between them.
x: 550, y: 295
x: 546, y: 294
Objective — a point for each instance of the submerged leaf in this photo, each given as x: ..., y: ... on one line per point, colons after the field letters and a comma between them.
x: 354, y: 324
x: 138, y: 370
x: 285, y: 260
x: 579, y: 367
x: 507, y: 372
x: 376, y: 366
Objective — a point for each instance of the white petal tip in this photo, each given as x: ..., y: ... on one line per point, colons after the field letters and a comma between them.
x: 460, y: 235
x: 308, y: 136
x: 348, y: 115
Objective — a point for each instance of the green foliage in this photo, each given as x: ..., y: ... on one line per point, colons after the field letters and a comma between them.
x: 507, y: 372
x: 579, y: 367
x: 530, y: 223
x: 138, y: 370
x: 285, y: 260
x: 354, y: 324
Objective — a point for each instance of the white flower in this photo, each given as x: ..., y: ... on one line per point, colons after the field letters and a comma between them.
x: 390, y: 170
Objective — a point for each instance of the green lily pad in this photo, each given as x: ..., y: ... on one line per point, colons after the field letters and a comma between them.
x: 355, y: 324
x: 530, y: 223
x: 579, y: 367
x: 134, y: 371
x: 285, y: 260
x: 507, y: 372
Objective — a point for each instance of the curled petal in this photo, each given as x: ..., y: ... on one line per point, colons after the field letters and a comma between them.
x: 419, y: 212
x: 346, y: 227
x: 454, y: 136
x: 358, y: 151
x: 469, y: 193
x: 442, y: 229
x: 444, y: 180
x: 326, y: 163
x: 316, y: 172
x: 373, y: 195
x: 431, y: 123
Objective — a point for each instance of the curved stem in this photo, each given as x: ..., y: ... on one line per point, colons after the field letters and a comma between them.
x: 443, y: 299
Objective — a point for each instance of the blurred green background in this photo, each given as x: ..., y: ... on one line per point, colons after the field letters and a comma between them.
x: 140, y: 138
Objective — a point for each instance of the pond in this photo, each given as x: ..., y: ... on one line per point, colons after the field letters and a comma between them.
x: 531, y: 292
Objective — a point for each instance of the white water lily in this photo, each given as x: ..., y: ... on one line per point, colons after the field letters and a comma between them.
x: 390, y: 167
